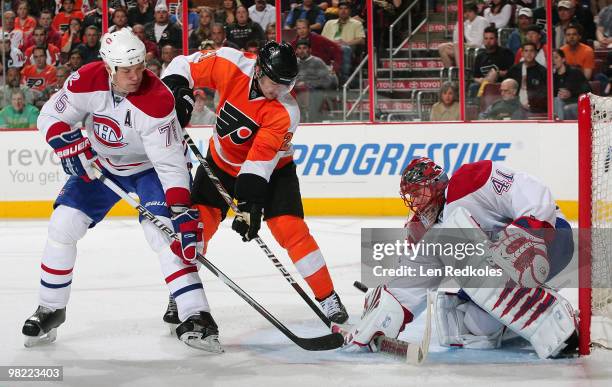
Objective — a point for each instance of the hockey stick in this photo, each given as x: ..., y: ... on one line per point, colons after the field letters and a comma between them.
x: 262, y: 245
x: 413, y: 353
x: 322, y: 343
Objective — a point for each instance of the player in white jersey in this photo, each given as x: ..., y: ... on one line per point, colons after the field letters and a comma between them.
x: 532, y: 244
x: 134, y: 137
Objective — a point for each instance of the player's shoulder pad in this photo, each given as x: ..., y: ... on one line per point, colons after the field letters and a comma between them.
x: 89, y: 78
x: 153, y: 98
x: 467, y: 179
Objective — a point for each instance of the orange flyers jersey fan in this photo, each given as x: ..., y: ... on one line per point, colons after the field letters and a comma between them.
x: 34, y: 79
x: 251, y: 135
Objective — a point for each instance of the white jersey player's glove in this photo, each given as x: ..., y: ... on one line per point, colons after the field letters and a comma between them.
x: 73, y: 150
x: 186, y: 223
x: 522, y: 255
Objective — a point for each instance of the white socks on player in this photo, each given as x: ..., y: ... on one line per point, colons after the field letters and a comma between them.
x: 183, y: 280
x: 66, y: 226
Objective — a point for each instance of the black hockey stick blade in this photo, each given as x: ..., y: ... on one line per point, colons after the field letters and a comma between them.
x: 360, y: 286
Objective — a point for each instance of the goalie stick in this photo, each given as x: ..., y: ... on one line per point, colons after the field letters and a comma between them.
x: 322, y: 343
x: 413, y: 353
x: 262, y: 245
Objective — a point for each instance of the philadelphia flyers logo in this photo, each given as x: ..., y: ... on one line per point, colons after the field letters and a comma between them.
x: 108, y: 132
x: 235, y: 124
x: 35, y: 82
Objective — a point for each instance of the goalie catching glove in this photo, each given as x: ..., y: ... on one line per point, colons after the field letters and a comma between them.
x: 250, y: 193
x: 522, y: 255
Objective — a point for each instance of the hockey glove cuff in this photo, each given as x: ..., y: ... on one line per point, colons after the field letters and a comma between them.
x: 250, y: 193
x: 183, y: 97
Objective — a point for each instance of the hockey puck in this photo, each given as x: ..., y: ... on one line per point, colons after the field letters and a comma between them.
x: 360, y: 286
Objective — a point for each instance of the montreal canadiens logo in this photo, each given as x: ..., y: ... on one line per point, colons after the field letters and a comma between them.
x: 108, y: 132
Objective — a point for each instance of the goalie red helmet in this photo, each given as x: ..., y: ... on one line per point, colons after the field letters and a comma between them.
x: 422, y: 187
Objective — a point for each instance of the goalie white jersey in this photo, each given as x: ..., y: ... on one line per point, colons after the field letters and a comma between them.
x: 496, y: 196
x: 130, y: 134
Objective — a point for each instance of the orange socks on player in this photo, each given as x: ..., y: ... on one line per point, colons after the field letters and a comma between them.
x: 292, y: 233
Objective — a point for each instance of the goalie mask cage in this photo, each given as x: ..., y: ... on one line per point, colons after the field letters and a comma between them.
x: 595, y: 221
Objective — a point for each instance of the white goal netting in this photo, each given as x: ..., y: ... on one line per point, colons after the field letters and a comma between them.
x: 601, y: 221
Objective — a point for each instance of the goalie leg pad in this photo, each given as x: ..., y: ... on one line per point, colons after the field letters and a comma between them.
x: 461, y: 323
x: 539, y: 315
x: 382, y: 314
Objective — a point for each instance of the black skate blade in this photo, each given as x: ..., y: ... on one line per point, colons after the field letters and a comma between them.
x: 37, y: 341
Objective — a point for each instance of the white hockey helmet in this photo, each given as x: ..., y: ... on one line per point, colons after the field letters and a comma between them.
x: 121, y: 49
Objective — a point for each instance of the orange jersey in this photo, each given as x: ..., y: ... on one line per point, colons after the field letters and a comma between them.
x: 252, y: 134
x: 61, y: 21
x: 38, y: 80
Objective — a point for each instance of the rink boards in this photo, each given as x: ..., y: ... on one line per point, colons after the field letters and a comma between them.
x: 349, y: 170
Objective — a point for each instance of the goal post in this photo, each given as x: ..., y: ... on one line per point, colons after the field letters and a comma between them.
x: 595, y: 221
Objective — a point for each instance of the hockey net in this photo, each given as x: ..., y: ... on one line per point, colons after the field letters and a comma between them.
x: 595, y: 222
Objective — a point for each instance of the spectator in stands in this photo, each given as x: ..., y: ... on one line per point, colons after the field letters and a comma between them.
x: 568, y: 83
x: 168, y: 53
x: 253, y: 47
x: 262, y: 13
x: 604, y: 29
x: 15, y: 34
x: 45, y: 21
x: 473, y: 31
x: 491, y: 65
x: 578, y: 54
x: 18, y: 114
x: 598, y: 5
x: 534, y: 35
x: 161, y: 30
x: 196, y: 38
x: 313, y: 82
x: 119, y: 20
x: 508, y: 107
x: 271, y: 32
x: 306, y: 11
x: 155, y: 67
x: 569, y: 12
x: 62, y: 19
x: 13, y: 83
x: 348, y: 33
x: 62, y: 73
x: 72, y: 37
x: 24, y: 21
x: 94, y: 17
x: 447, y: 108
x: 12, y: 56
x: 227, y: 14
x: 193, y: 19
x: 217, y: 35
x: 201, y: 114
x: 40, y: 41
x: 90, y: 48
x: 142, y: 13
x: 531, y: 79
x: 320, y: 46
x: 39, y: 75
x: 519, y: 35
x: 75, y: 60
x: 498, y: 13
x: 150, y: 46
x: 244, y: 30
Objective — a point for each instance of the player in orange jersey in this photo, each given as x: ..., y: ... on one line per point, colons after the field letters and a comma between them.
x: 251, y: 153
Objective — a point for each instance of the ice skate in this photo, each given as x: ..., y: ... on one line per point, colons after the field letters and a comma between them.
x: 200, y: 332
x: 171, y: 316
x: 41, y: 327
x: 333, y: 308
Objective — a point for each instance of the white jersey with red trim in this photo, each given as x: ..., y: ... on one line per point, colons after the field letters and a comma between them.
x: 496, y: 196
x: 130, y: 134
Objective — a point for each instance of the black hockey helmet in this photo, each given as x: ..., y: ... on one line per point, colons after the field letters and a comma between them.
x: 277, y: 61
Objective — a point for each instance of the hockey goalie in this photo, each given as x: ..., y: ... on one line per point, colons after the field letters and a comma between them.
x: 530, y: 241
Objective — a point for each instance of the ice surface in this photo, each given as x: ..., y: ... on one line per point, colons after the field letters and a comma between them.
x: 114, y: 335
